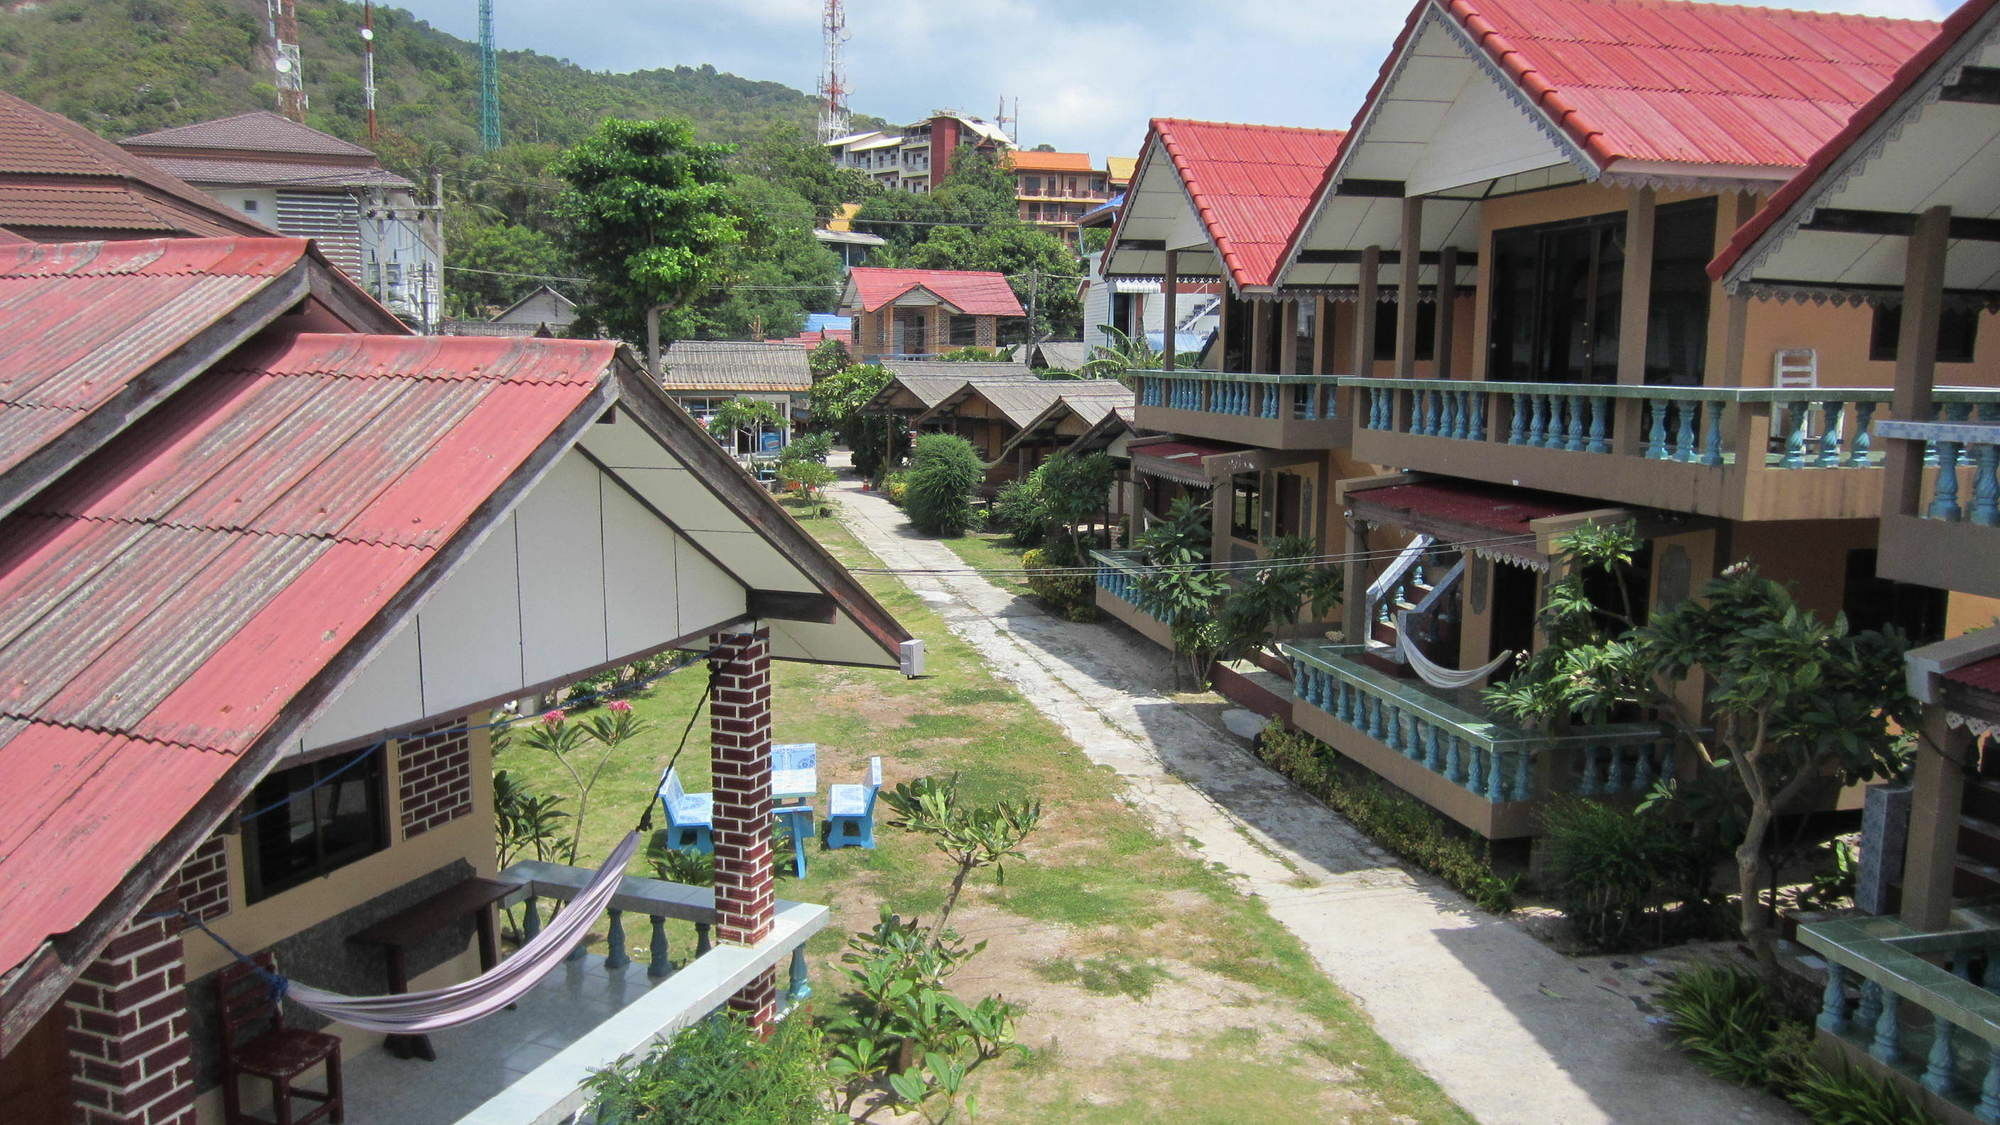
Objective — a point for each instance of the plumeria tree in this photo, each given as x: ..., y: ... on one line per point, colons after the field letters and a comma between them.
x: 582, y: 748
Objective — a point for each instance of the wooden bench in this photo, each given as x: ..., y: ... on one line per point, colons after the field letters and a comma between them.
x: 405, y: 928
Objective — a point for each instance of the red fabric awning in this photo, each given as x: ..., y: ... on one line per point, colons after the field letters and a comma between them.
x: 1177, y: 460
x: 1464, y: 512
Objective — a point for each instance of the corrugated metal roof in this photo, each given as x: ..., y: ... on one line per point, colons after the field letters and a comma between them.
x: 736, y: 365
x: 1030, y: 161
x: 1019, y: 401
x: 79, y: 322
x: 1690, y: 83
x: 47, y: 152
x: 162, y: 604
x: 257, y: 131
x: 1250, y: 185
x: 972, y: 292
x: 1063, y: 355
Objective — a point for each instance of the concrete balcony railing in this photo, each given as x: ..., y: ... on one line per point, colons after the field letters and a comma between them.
x: 1920, y: 1007
x: 1442, y: 748
x: 1945, y: 537
x: 1268, y: 411
x: 1734, y: 452
x: 1119, y: 594
x: 552, y: 1092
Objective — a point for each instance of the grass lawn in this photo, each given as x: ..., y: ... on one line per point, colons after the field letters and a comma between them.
x: 990, y: 550
x: 1152, y: 987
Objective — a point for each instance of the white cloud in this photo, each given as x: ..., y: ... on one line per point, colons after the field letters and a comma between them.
x: 1088, y: 75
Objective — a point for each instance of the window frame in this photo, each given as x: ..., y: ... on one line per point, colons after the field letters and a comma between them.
x: 279, y: 789
x: 1244, y: 504
x: 1958, y: 333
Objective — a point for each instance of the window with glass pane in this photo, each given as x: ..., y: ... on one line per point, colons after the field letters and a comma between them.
x: 1243, y: 512
x: 1385, y: 330
x: 323, y: 816
x: 964, y: 331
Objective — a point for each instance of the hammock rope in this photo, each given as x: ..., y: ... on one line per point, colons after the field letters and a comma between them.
x: 1439, y: 676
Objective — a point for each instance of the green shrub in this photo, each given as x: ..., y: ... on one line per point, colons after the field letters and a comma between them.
x: 945, y: 472
x: 1848, y: 1097
x: 719, y: 1072
x: 1396, y: 821
x: 1612, y: 869
x: 1021, y: 510
x: 1722, y: 1016
x: 810, y: 447
x: 1053, y: 578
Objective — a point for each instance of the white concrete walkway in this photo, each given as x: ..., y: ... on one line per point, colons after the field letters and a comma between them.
x: 1512, y: 1030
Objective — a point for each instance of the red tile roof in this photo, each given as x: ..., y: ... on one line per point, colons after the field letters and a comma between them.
x: 259, y: 131
x: 1796, y: 188
x: 1496, y: 508
x: 162, y: 607
x: 972, y: 292
x: 1251, y: 185
x: 1025, y: 161
x: 217, y: 170
x: 1690, y: 83
x: 110, y: 192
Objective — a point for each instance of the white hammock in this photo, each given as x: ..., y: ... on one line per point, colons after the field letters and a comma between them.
x: 413, y: 1013
x: 1438, y: 676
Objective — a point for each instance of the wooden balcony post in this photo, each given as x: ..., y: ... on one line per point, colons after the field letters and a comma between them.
x: 1916, y: 360
x: 1260, y: 335
x: 1354, y: 623
x: 1366, y: 293
x: 1170, y: 293
x: 1322, y: 335
x: 1634, y: 314
x: 1447, y: 308
x: 1407, y: 297
x: 1937, y: 788
x: 1288, y: 336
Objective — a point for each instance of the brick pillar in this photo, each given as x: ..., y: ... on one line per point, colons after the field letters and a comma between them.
x: 131, y: 1062
x: 740, y: 754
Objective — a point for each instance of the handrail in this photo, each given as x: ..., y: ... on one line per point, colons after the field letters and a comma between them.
x: 1674, y: 393
x: 636, y: 893
x: 1204, y: 374
x: 1964, y: 433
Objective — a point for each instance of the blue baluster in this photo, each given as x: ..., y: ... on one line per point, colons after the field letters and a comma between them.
x: 1524, y: 776
x: 1684, y: 438
x: 616, y: 956
x: 1833, y: 1001
x: 1888, y: 1044
x: 1517, y: 425
x: 1380, y: 728
x: 1449, y: 401
x: 1711, y: 453
x: 1985, y: 487
x: 1941, y: 1065
x: 1396, y: 742
x: 1538, y: 429
x: 1476, y: 779
x: 661, y: 965
x: 1454, y: 762
x: 1619, y: 777
x: 1433, y: 748
x: 1597, y: 411
x: 1795, y: 436
x: 1869, y: 1008
x: 702, y: 944
x: 1494, y: 785
x: 1642, y: 777
x: 1476, y: 430
x: 1656, y: 434
x: 1579, y: 437
x: 1944, y: 501
x: 531, y: 920
x: 1588, y: 785
x: 801, y: 984
x: 1832, y: 414
x: 1859, y: 448
x: 1989, y: 1090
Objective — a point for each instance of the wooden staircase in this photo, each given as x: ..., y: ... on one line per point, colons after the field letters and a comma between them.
x: 1418, y: 595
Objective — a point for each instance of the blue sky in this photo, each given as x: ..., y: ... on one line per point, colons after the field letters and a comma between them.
x: 1088, y: 75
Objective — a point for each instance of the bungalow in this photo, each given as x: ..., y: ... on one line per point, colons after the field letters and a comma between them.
x: 1498, y: 284
x: 1892, y: 223
x: 269, y: 565
x: 913, y: 313
x: 991, y: 413
x: 702, y: 375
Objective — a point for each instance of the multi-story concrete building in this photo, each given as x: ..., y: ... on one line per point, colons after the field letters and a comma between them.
x: 1054, y: 189
x: 918, y: 156
x: 367, y: 220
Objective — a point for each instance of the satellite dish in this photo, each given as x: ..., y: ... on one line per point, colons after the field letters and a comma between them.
x: 368, y: 34
x: 284, y: 66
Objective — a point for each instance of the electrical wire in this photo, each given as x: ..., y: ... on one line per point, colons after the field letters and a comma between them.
x: 1222, y: 567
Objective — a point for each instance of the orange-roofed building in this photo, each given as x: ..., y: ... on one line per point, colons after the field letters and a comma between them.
x: 1054, y: 189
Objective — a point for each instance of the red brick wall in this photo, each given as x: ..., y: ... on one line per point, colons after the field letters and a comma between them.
x: 131, y: 1060
x: 204, y: 879
x: 740, y: 755
x: 434, y: 774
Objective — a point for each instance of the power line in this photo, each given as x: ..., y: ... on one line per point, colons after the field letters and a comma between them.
x: 1213, y: 567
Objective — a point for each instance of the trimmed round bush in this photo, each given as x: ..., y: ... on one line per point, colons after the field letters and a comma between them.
x: 945, y: 472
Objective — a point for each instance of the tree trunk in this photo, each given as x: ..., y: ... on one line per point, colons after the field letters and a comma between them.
x: 1749, y: 865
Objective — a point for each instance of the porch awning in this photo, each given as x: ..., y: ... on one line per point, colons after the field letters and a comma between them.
x: 1183, y: 461
x: 1493, y: 521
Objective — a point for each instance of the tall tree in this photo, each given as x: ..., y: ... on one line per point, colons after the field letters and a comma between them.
x: 649, y: 219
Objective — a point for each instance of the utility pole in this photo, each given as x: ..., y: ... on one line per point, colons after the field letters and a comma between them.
x: 368, y: 64
x: 1034, y: 297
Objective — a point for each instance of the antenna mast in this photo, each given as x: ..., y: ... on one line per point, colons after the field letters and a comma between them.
x: 834, y: 119
x: 283, y: 21
x: 489, y: 80
x: 368, y: 64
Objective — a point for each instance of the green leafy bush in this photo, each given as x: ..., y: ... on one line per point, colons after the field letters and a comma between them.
x: 897, y: 486
x: 1022, y: 511
x: 719, y: 1072
x: 945, y: 472
x: 1614, y: 870
x: 1053, y: 578
x: 1396, y: 821
x: 814, y: 446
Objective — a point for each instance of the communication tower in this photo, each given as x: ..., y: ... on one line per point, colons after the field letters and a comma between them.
x: 283, y: 21
x: 834, y: 119
x: 489, y: 80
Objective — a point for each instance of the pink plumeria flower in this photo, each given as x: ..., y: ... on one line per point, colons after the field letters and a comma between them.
x: 554, y: 718
x: 619, y: 705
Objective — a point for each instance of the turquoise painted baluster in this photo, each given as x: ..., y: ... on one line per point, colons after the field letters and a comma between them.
x: 1538, y: 432
x: 1476, y: 431
x: 1273, y: 396
x: 1656, y: 436
x: 1597, y: 412
x: 1454, y: 762
x: 1426, y: 408
x: 1346, y: 703
x: 1476, y: 779
x: 1448, y: 403
x: 1434, y: 748
x: 616, y: 956
x: 1985, y: 486
x: 801, y: 984
x: 1524, y: 776
x: 1989, y: 1090
x: 531, y: 920
x: 1588, y: 785
x: 1642, y: 777
x: 1869, y: 1008
x: 1396, y: 742
x: 661, y: 965
x: 1517, y: 425
x: 1795, y: 436
x: 1944, y: 501
x: 1495, y: 786
x: 1864, y: 441
x: 1833, y: 1001
x: 1888, y: 1044
x: 1618, y: 778
x: 702, y: 944
x: 1379, y: 720
x: 1941, y: 1065
x: 1831, y: 415
x: 1684, y: 436
x: 1574, y: 426
x: 1364, y: 712
x: 1711, y: 453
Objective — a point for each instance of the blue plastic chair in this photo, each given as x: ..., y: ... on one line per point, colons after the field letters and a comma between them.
x: 690, y: 816
x: 850, y: 811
